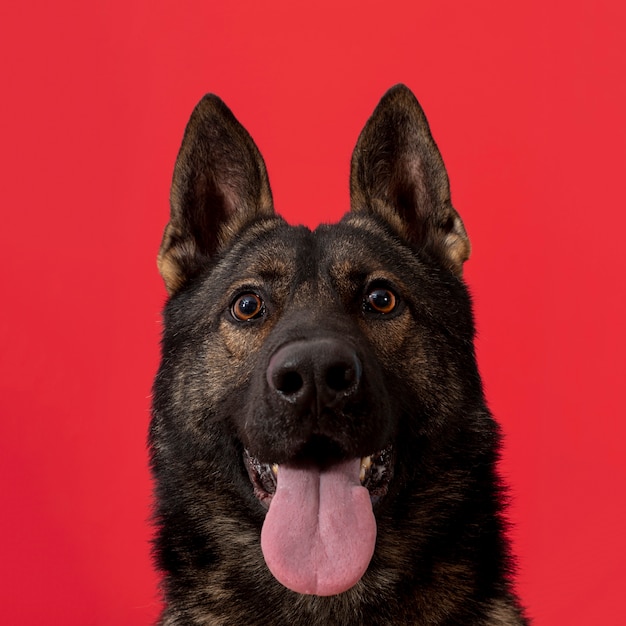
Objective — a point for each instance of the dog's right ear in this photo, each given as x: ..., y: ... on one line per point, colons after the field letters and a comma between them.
x: 398, y: 175
x: 220, y: 184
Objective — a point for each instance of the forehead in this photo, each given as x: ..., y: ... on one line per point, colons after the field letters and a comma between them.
x: 340, y: 253
x: 358, y: 249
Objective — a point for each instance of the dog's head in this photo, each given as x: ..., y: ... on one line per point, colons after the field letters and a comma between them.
x: 316, y: 364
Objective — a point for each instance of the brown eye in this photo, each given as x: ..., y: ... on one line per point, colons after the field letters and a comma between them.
x: 380, y: 300
x: 247, y: 306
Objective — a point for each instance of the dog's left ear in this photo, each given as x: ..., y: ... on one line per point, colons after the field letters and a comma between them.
x: 398, y: 174
x: 220, y: 184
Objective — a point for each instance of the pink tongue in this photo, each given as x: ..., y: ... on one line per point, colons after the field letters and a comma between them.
x: 319, y: 533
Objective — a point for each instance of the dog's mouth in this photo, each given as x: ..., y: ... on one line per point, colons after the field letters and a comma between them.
x: 319, y: 532
x: 375, y: 474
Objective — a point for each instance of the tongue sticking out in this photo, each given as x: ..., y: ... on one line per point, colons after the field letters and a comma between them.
x: 319, y: 533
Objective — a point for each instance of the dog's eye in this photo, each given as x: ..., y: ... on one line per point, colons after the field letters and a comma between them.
x: 380, y: 300
x: 247, y: 306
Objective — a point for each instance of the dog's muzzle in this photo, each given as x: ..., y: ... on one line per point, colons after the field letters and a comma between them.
x: 323, y: 471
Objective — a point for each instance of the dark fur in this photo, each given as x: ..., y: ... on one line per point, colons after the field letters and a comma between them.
x: 441, y: 556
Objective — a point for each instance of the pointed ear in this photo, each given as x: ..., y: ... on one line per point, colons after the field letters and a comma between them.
x: 398, y: 174
x: 220, y: 184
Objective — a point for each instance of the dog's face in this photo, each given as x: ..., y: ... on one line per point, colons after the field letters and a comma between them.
x: 310, y: 374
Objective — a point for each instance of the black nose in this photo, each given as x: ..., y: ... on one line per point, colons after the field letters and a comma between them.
x: 315, y: 373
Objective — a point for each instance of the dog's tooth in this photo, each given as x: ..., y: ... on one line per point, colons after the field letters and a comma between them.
x: 366, y: 463
x: 275, y: 469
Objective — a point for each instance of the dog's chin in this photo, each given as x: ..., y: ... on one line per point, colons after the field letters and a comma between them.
x: 376, y: 472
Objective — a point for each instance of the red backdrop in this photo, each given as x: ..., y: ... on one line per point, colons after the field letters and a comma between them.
x: 526, y: 101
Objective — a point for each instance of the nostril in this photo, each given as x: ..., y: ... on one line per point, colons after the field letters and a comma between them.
x: 289, y: 382
x: 340, y: 377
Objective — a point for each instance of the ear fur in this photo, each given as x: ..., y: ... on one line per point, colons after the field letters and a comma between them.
x: 398, y: 174
x: 220, y: 183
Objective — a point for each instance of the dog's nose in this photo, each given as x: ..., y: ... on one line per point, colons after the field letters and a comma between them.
x: 315, y: 373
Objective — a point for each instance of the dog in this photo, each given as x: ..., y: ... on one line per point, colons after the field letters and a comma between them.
x: 320, y: 443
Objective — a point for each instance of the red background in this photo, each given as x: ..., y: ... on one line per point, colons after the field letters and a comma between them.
x: 526, y: 101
